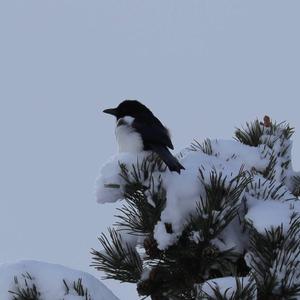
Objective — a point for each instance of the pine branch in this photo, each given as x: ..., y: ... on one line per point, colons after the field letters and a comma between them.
x: 251, y: 134
x: 159, y: 286
x: 274, y: 258
x: 270, y: 171
x: 296, y: 185
x: 205, y: 147
x: 119, y: 260
x: 194, y: 258
x: 241, y: 292
x: 141, y: 173
x: 220, y: 204
x: 287, y: 131
x: 257, y: 133
x: 78, y: 287
x: 27, y: 291
x: 265, y: 189
x: 142, y: 208
x: 143, y: 203
x: 197, y: 255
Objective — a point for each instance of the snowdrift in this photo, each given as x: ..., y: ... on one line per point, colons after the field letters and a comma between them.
x: 40, y: 280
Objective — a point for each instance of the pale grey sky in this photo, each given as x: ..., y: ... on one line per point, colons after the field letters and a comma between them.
x: 203, y: 66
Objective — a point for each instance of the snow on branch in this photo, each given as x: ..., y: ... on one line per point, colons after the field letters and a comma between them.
x: 235, y: 200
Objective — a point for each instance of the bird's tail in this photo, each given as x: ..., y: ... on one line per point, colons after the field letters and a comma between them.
x: 171, y: 161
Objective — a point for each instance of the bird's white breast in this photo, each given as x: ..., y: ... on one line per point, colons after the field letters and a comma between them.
x: 128, y: 139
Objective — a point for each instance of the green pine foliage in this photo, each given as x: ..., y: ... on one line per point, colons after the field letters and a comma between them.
x: 78, y: 288
x: 27, y: 290
x: 138, y: 215
x: 242, y: 291
x: 119, y: 260
x: 251, y: 135
x: 296, y: 185
x: 274, y: 258
x: 205, y: 147
x: 174, y: 271
x: 257, y: 133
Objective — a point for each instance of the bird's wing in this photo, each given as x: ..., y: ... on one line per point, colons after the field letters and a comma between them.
x: 152, y: 131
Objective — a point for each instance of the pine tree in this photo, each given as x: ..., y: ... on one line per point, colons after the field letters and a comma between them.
x: 269, y: 259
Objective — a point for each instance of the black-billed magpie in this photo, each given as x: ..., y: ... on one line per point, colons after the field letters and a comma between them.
x: 138, y: 129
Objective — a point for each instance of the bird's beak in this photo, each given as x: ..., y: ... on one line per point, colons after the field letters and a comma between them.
x: 111, y: 111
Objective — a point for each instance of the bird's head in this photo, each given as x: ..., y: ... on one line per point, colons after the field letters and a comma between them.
x: 131, y: 108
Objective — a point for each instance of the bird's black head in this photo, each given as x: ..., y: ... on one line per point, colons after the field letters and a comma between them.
x: 131, y: 108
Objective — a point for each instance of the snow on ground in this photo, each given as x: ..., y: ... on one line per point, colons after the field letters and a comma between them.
x: 48, y: 278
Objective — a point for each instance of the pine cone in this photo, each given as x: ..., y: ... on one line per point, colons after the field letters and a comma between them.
x: 210, y: 252
x: 144, y: 288
x: 267, y: 121
x: 151, y: 285
x: 151, y: 249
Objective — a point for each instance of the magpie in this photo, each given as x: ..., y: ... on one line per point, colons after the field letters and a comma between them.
x: 139, y: 130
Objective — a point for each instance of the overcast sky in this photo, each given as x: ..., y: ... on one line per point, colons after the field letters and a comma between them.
x: 203, y: 67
